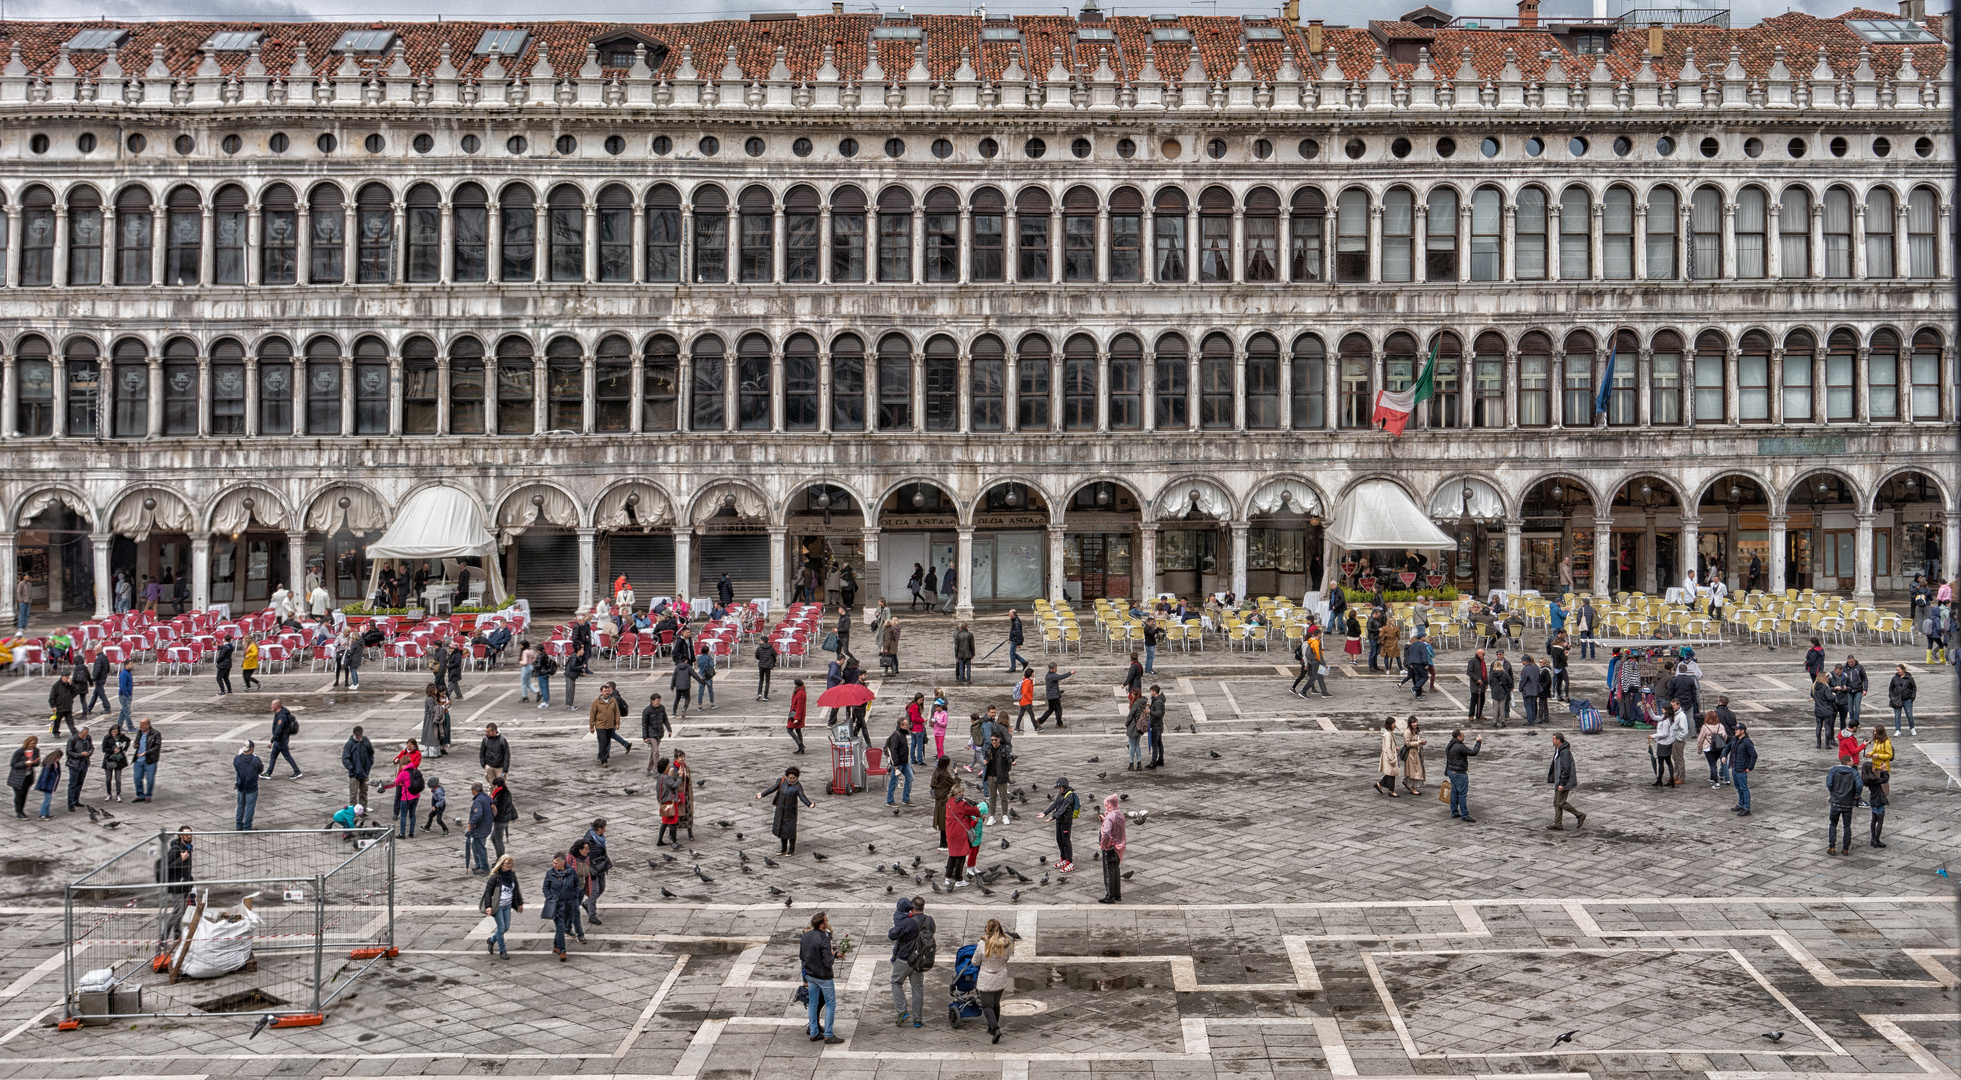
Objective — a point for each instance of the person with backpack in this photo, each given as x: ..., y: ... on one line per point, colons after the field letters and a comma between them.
x: 765, y: 663
x: 561, y: 891
x: 898, y: 762
x: 1842, y: 792
x: 913, y: 947
x: 1824, y: 706
x: 1111, y: 836
x: 408, y: 789
x: 1063, y: 810
x: 1137, y: 725
x: 221, y: 666
x: 544, y: 665
x: 1814, y: 659
x: 503, y: 811
x: 245, y: 787
x: 575, y: 669
x: 284, y: 727
x: 1713, y: 741
x: 1900, y: 692
x: 705, y: 675
x: 597, y: 863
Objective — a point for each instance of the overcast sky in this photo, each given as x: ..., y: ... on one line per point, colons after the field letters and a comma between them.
x: 1354, y: 12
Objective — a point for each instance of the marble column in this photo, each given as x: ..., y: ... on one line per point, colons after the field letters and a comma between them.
x: 587, y: 562
x: 1862, y: 573
x: 684, y: 565
x: 1775, y: 538
x: 778, y: 568
x: 963, y: 604
x: 1056, y: 554
x: 200, y: 571
x: 1513, y: 550
x: 296, y: 561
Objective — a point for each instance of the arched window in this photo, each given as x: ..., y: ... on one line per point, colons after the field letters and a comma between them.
x: 565, y: 234
x: 1310, y: 215
x: 1446, y: 407
x: 1794, y: 233
x: 1168, y: 236
x: 1215, y: 382
x: 987, y: 392
x: 942, y: 235
x: 1356, y: 357
x: 517, y: 380
x: 1126, y: 235
x: 1529, y: 238
x: 1576, y: 402
x: 615, y: 219
x: 1799, y: 358
x: 1079, y: 383
x: 1032, y: 235
x: 1752, y: 221
x: 184, y: 237
x: 1398, y: 235
x: 565, y: 385
x: 34, y: 373
x: 375, y: 245
x: 1923, y: 218
x: 757, y: 238
x: 985, y: 252
x: 1883, y: 376
x: 1711, y: 380
x: 1126, y: 390
x: 1440, y: 242
x: 1662, y: 215
x: 1352, y: 236
x: 85, y: 235
x: 1706, y: 234
x: 1534, y: 380
x: 1753, y: 375
x: 847, y: 382
x: 227, y: 387
x: 942, y: 375
x: 323, y: 387
x: 1487, y: 234
x: 370, y: 386
x: 895, y: 235
x: 1665, y: 380
x: 1310, y: 388
x: 711, y: 239
x: 894, y: 383
x: 752, y: 383
x: 276, y: 384
x: 1488, y: 388
x: 518, y: 216
x: 1575, y: 234
x: 663, y: 234
x: 1215, y: 234
x: 1838, y: 233
x: 1841, y: 369
x: 801, y: 211
x: 421, y: 389
x: 327, y: 236
x: 1623, y: 399
x: 134, y: 232
x: 1262, y: 382
x: 83, y: 369
x: 1398, y: 363
x: 612, y: 382
x: 37, y: 228
x: 708, y: 376
x: 424, y: 220
x: 1617, y: 235
x: 1079, y: 234
x: 800, y: 377
x: 660, y: 384
x: 132, y: 384
x: 1032, y: 363
x: 469, y: 233
x: 1879, y: 233
x: 1173, y: 376
x: 1926, y: 375
x: 1262, y: 227
x: 466, y: 386
x: 847, y: 234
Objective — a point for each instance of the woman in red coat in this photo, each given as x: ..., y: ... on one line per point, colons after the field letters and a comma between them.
x: 960, y: 854
x: 794, y: 725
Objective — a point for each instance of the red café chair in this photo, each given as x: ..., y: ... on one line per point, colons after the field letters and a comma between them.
x: 271, y: 653
x: 480, y: 657
x: 628, y: 650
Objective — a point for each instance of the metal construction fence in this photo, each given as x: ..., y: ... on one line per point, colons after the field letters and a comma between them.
x: 273, y: 923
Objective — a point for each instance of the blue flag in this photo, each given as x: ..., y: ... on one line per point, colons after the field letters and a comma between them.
x: 1606, y: 381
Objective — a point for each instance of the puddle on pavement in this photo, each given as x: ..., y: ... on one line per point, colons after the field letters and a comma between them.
x: 26, y: 867
x: 1076, y: 978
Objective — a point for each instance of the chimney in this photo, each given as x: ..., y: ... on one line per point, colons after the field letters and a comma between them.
x: 1655, y: 39
x: 1915, y: 10
x: 1314, y: 37
x: 1292, y: 12
x: 1528, y: 12
x: 837, y: 7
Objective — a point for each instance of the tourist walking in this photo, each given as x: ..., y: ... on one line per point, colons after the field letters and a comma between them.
x: 245, y: 787
x: 654, y: 727
x: 477, y: 829
x: 1842, y: 794
x: 1154, y: 709
x: 1111, y: 840
x: 1052, y: 693
x: 996, y: 775
x: 962, y: 825
x: 561, y: 891
x: 221, y: 666
x: 20, y: 772
x: 597, y: 864
x: 912, y: 936
x: 1824, y: 707
x: 799, y: 707
x: 1137, y: 726
x: 667, y: 793
x: 1529, y: 677
x: 115, y: 758
x: 1479, y: 676
x: 1713, y: 741
x: 1501, y: 680
x: 1876, y: 798
x: 145, y: 751
x: 1389, y: 759
x: 765, y: 663
x: 817, y: 956
x: 1457, y: 772
x: 1015, y: 639
x: 1413, y: 744
x: 432, y: 712
x: 603, y: 720
x: 1062, y: 810
x: 79, y: 751
x: 408, y: 785
x: 1025, y: 698
x: 680, y: 682
x: 786, y: 795
x: 284, y: 727
x: 888, y: 648
x: 963, y: 654
x: 1563, y: 777
x: 1900, y: 692
x: 493, y: 754
x: 898, y: 761
x: 995, y: 950
x: 49, y: 782
x: 501, y: 896
x: 125, y: 695
x: 1856, y: 685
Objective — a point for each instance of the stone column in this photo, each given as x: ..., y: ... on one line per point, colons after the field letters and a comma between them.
x: 1239, y: 559
x: 639, y: 245
x: 588, y: 388
x: 1596, y: 233
x: 776, y: 388
x: 1056, y: 553
x: 1055, y: 244
x: 540, y: 388
x: 200, y: 572
x: 1950, y: 541
x: 1238, y: 389
x: 493, y: 244
x: 1605, y: 561
x: 296, y: 560
x: 1513, y: 551
x: 58, y: 275
x: 963, y: 604
x: 587, y: 562
x: 446, y: 256
x: 824, y: 247
x: 1555, y: 266
x: 9, y: 571
x: 302, y: 246
x: 1862, y: 573
x: 1375, y: 240
x: 590, y: 247
x: 58, y: 368
x: 1641, y: 241
x: 1236, y: 273
x: 347, y: 395
x: 779, y: 567
x: 156, y: 395
x: 1775, y: 538
x: 104, y: 588
x: 9, y: 405
x: 776, y: 252
x: 869, y: 579
x: 1817, y: 238
x: 684, y: 564
x: 1147, y: 561
x: 1729, y: 239
x: 1686, y: 554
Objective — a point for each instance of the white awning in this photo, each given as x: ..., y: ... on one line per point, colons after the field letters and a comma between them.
x: 1378, y: 515
x: 439, y: 523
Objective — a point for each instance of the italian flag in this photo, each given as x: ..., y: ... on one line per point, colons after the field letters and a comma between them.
x: 1393, y: 407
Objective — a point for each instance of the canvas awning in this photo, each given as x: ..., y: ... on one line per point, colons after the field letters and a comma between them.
x: 439, y: 523
x: 1378, y: 515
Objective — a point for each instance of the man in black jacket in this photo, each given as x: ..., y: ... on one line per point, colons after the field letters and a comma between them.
x: 654, y: 727
x: 817, y: 957
x: 1015, y: 638
x: 76, y: 756
x: 453, y: 668
x: 494, y: 754
x: 146, y: 747
x: 61, y: 703
x: 284, y: 727
x: 98, y: 683
x: 963, y: 654
x: 725, y: 590
x: 1457, y: 770
x: 357, y: 757
x: 907, y: 927
x: 1856, y: 686
x: 1563, y: 777
x: 898, y: 762
x: 1478, y: 673
x: 503, y: 811
x: 1156, y: 712
x: 478, y: 829
x: 1501, y: 680
x: 996, y: 774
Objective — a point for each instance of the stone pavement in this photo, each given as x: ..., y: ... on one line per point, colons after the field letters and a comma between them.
x: 1284, y: 920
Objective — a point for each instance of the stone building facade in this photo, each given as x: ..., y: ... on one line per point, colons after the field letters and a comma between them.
x: 1082, y: 306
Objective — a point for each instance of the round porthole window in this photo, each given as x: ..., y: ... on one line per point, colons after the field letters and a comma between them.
x: 38, y: 143
x: 709, y: 146
x: 1665, y: 146
x: 1034, y: 148
x: 895, y: 148
x: 801, y: 147
x: 1080, y: 147
x: 231, y: 144
x: 184, y: 144
x: 1399, y: 147
x: 1839, y: 146
x: 325, y: 144
x: 988, y: 148
x: 1795, y: 148
x: 1534, y: 146
x: 566, y: 145
x: 1710, y: 147
x: 754, y: 146
x: 516, y: 144
x: 1215, y: 148
x: 1882, y: 146
x: 374, y: 144
x: 615, y: 145
x: 942, y: 148
x: 1309, y: 149
x: 1489, y: 148
x: 847, y: 148
x: 662, y: 146
x: 1923, y: 146
x: 1753, y: 147
x: 1576, y: 146
x: 1446, y: 147
x: 1354, y: 148
x: 136, y: 142
x: 471, y: 144
x: 1171, y: 148
x: 85, y: 143
x: 1127, y: 148
x: 424, y: 143
x: 1623, y: 146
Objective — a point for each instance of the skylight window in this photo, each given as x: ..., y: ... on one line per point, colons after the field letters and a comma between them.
x: 502, y: 42
x: 1000, y: 33
x: 371, y: 42
x: 1095, y: 33
x: 898, y: 33
x: 1265, y: 33
x: 1170, y: 34
x: 98, y: 40
x: 1892, y: 32
x: 235, y: 40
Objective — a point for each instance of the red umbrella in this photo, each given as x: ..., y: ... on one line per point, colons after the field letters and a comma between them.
x: 845, y: 696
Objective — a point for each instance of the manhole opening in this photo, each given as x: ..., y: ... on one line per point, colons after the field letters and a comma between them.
x: 243, y: 1001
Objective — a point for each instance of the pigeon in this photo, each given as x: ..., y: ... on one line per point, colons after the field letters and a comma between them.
x: 738, y: 836
x: 1093, y: 760
x: 652, y: 865
x: 1774, y: 1036
x: 664, y: 857
x: 774, y: 891
x: 1214, y: 753
x: 1045, y: 879
x: 819, y: 856
x: 936, y: 886
x: 1044, y: 860
x: 888, y: 890
x: 871, y: 849
x: 767, y: 861
x: 536, y: 816
x: 94, y: 814
x: 113, y: 825
x: 701, y: 783
x: 915, y: 860
x: 261, y: 1025
x: 881, y: 868
x: 1019, y: 876
x: 1566, y: 1038
x: 1004, y: 843
x: 665, y: 895
x: 742, y: 856
x: 1127, y: 873
x: 788, y: 900
x: 1100, y: 776
x: 703, y: 876
x: 895, y: 811
x: 726, y: 824
x: 985, y: 891
x: 695, y: 853
x: 1125, y: 797
x: 1016, y: 895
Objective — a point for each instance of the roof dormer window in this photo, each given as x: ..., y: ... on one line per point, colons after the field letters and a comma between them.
x: 98, y: 40
x: 234, y: 41
x: 504, y: 42
x: 374, y: 41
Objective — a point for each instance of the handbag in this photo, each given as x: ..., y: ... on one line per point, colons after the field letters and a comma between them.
x: 831, y: 642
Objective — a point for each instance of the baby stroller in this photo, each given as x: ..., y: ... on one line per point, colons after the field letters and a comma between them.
x: 965, y: 1003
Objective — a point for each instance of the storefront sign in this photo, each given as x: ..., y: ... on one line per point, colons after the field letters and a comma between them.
x: 1781, y: 445
x: 918, y: 522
